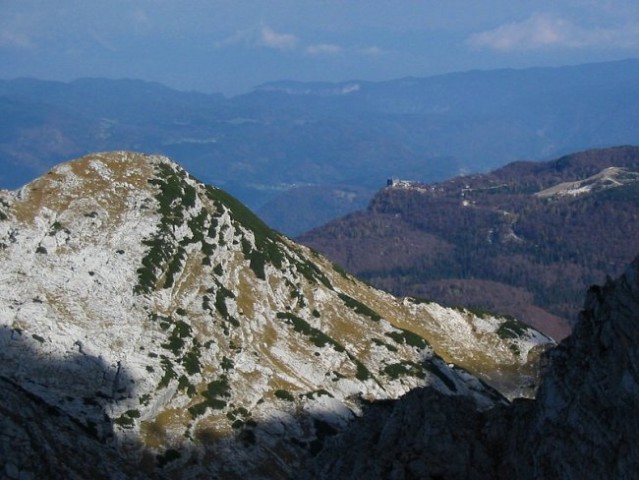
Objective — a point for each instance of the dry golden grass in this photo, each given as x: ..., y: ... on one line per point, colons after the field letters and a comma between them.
x: 126, y: 172
x: 168, y: 424
x: 483, y: 361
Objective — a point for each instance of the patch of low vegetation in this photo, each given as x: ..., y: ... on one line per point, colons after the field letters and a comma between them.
x: 227, y: 363
x: 297, y: 294
x: 174, y: 267
x: 214, y: 395
x: 191, y: 360
x: 127, y: 419
x: 196, y: 225
x: 339, y: 269
x: 284, y: 395
x: 55, y: 228
x: 317, y: 337
x: 511, y: 328
x: 362, y: 373
x: 169, y: 372
x: 174, y: 197
x: 185, y: 385
x: 381, y: 343
x: 312, y: 272
x: 181, y: 330
x: 477, y: 311
x: 167, y: 457
x: 317, y: 393
x: 4, y: 209
x: 407, y: 337
x: 240, y: 417
x: 266, y: 248
x: 405, y: 368
x: 221, y: 295
x: 359, y: 307
x: 160, y: 251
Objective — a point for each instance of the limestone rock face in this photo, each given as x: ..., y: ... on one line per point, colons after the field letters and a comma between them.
x: 155, y: 321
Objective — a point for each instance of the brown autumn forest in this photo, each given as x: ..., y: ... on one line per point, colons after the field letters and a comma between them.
x: 492, y: 241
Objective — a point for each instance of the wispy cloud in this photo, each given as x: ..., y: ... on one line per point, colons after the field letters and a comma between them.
x: 260, y: 37
x: 266, y: 37
x: 240, y: 36
x: 373, y: 51
x: 280, y: 41
x: 324, y: 49
x: 542, y: 30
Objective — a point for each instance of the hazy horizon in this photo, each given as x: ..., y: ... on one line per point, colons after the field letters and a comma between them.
x: 231, y: 47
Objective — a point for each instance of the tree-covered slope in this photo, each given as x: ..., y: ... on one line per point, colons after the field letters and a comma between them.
x: 525, y: 240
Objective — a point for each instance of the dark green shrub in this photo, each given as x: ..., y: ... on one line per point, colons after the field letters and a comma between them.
x: 284, y: 395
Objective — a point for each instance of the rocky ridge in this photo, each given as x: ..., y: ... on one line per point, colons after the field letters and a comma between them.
x: 582, y: 424
x: 155, y: 319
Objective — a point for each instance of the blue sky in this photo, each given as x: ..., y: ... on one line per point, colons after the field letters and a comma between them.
x: 233, y: 46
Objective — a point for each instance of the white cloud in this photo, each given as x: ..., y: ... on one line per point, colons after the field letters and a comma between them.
x: 371, y: 51
x: 262, y: 37
x: 323, y: 49
x: 265, y: 37
x: 280, y: 41
x: 536, y: 31
x: 240, y: 36
x: 542, y: 30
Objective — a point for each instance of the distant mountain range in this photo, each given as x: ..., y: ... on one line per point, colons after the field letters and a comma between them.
x: 525, y: 239
x: 301, y: 154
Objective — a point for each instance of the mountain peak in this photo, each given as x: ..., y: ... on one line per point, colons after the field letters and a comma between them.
x: 162, y: 316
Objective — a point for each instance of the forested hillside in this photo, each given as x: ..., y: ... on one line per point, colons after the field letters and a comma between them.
x: 524, y: 240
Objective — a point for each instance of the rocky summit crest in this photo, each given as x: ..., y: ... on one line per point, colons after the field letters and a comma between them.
x: 156, y: 323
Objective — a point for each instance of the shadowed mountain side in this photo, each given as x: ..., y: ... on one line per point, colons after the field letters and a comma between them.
x: 46, y: 432
x: 422, y: 435
x: 584, y: 422
x: 51, y: 432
